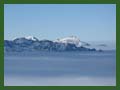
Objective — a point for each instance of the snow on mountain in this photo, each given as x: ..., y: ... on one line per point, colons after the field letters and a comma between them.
x: 31, y: 38
x: 25, y: 39
x: 70, y: 40
x: 71, y: 43
x: 67, y: 40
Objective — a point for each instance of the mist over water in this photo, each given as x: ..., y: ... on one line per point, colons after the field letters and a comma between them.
x: 60, y: 68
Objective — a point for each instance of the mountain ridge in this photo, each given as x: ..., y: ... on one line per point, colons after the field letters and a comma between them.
x: 71, y: 43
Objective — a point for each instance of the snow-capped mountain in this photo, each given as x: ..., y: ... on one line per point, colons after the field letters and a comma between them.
x: 72, y: 40
x: 25, y: 39
x: 31, y: 38
x: 69, y: 40
x: 30, y: 43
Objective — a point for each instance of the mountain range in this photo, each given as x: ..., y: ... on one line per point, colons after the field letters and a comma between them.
x: 30, y: 43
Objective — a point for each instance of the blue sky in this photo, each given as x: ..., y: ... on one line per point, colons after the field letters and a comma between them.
x: 89, y: 22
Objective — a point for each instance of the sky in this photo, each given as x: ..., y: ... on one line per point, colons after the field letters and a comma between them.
x: 89, y: 22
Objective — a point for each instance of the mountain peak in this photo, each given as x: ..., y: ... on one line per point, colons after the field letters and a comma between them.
x: 31, y: 38
x: 70, y: 39
x: 25, y: 39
